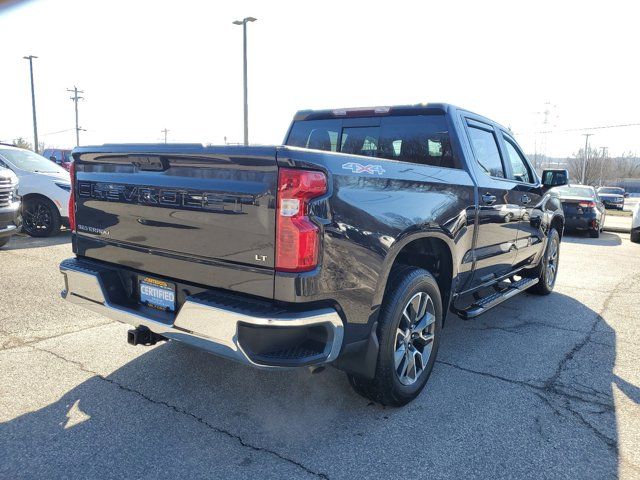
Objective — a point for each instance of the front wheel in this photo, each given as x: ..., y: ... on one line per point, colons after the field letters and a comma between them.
x: 409, y: 334
x: 40, y: 217
x: 547, y: 270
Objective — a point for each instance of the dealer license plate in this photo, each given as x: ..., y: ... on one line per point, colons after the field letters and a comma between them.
x: 157, y: 294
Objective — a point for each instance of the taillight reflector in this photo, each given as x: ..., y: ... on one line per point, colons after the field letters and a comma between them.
x: 297, y: 238
x: 587, y: 204
x: 72, y: 197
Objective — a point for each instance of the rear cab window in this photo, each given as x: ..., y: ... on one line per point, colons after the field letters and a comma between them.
x: 421, y: 139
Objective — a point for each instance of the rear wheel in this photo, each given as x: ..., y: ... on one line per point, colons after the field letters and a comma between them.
x: 40, y: 217
x: 409, y: 334
x: 594, y: 233
x: 4, y: 241
x: 635, y: 235
x: 547, y: 270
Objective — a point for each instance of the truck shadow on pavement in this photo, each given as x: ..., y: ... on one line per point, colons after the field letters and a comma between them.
x: 525, y: 390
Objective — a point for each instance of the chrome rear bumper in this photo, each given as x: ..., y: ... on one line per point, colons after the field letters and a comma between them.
x: 201, y: 321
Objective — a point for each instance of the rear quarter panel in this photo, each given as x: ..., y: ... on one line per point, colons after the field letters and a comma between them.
x: 367, y: 217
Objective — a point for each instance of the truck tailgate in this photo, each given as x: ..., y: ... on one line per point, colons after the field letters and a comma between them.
x: 204, y: 215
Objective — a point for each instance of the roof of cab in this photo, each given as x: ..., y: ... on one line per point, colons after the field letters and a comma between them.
x: 395, y: 110
x: 418, y: 109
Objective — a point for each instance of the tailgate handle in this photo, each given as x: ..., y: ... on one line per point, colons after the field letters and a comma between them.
x: 526, y: 199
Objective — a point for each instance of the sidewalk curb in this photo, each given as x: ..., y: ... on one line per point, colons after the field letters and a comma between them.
x: 617, y: 229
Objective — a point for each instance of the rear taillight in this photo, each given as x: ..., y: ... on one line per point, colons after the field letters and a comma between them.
x: 297, y: 238
x: 72, y: 198
x: 587, y: 204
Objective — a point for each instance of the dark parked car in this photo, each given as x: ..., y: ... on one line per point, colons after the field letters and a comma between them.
x: 612, y: 197
x: 60, y: 156
x: 9, y: 205
x: 348, y: 246
x: 583, y: 210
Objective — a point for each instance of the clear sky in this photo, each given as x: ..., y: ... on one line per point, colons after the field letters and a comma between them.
x: 149, y: 65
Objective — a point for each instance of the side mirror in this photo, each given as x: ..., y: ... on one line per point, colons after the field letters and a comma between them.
x: 52, y: 158
x: 554, y: 178
x: 626, y: 195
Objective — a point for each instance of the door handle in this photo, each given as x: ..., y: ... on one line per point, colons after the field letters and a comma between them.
x: 525, y: 199
x: 489, y: 199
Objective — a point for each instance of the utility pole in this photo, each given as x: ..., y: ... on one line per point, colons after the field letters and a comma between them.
x: 604, y: 156
x: 75, y: 99
x: 243, y: 22
x: 586, y: 154
x: 548, y: 113
x: 33, y: 103
x: 165, y: 131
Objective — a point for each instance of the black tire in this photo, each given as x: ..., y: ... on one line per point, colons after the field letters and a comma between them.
x: 40, y: 217
x: 544, y: 287
x: 387, y: 387
x: 4, y: 241
x: 635, y: 235
x: 594, y: 233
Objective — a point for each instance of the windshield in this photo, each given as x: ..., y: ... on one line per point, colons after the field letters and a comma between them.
x: 611, y: 190
x: 576, y: 192
x: 29, y: 161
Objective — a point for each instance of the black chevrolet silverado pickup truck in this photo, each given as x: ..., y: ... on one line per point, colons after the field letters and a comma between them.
x: 348, y: 245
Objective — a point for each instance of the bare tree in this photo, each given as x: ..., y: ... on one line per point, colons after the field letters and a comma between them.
x: 22, y: 143
x: 592, y: 169
x: 627, y: 166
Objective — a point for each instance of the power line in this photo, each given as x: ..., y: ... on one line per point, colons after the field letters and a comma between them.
x: 582, y: 129
x: 55, y: 133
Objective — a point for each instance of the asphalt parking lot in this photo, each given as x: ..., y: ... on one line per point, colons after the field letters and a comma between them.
x: 540, y: 387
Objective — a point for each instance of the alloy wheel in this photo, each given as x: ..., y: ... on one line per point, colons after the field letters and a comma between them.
x: 37, y: 217
x: 414, y: 338
x: 552, y: 263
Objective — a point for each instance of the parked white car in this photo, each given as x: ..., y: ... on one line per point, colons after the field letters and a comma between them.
x: 635, y: 224
x: 44, y: 187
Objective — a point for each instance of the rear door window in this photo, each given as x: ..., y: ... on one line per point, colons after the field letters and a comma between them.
x: 416, y: 139
x: 485, y: 148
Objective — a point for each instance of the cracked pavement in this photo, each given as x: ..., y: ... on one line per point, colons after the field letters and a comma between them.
x: 540, y: 386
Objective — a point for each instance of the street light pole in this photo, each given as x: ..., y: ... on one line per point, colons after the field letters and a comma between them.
x: 243, y: 22
x: 33, y: 103
x: 586, y: 153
